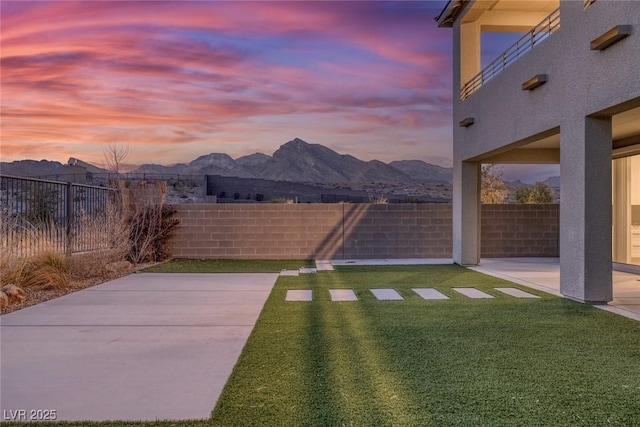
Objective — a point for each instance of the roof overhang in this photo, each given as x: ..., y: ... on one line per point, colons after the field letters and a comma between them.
x: 450, y: 13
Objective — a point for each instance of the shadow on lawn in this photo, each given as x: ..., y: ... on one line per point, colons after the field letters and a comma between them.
x: 352, y: 383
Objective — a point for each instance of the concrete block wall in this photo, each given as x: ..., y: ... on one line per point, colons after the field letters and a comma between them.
x: 519, y: 231
x: 312, y: 231
x: 355, y: 231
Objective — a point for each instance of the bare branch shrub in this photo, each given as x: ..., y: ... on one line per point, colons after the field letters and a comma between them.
x: 114, y: 156
x: 150, y: 223
x: 151, y: 228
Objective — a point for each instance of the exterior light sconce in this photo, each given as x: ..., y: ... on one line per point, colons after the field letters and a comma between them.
x: 534, y: 82
x: 612, y: 36
x: 466, y: 122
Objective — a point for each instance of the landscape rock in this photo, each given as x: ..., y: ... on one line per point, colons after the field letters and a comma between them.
x: 10, y: 294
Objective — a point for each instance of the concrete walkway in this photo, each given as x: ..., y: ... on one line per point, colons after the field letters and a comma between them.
x: 143, y: 347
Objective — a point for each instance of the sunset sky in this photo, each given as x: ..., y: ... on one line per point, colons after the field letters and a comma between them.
x: 176, y: 80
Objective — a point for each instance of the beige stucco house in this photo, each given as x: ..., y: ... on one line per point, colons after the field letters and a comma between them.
x: 567, y: 92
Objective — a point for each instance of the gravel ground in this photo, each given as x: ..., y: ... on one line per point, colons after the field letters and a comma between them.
x: 37, y: 296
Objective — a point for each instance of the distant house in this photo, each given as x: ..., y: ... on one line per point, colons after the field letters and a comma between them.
x: 567, y: 92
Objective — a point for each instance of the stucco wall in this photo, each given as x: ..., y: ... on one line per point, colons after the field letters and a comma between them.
x: 580, y: 82
x: 355, y: 231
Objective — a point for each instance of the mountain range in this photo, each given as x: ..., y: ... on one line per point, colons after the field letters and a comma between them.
x: 295, y: 161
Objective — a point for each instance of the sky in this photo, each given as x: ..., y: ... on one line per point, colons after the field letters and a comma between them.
x: 174, y: 80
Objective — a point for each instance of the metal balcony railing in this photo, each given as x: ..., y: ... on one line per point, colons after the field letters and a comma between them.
x: 532, y: 38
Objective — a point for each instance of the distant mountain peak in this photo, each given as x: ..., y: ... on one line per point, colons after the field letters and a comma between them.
x: 294, y: 161
x: 214, y: 159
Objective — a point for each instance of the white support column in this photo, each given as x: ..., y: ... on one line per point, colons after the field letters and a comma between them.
x: 585, y: 210
x: 466, y: 213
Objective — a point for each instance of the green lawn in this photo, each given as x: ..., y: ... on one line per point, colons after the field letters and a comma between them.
x: 227, y: 266
x: 505, y: 361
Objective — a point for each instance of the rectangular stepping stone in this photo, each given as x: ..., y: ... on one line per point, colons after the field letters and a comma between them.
x: 289, y: 272
x: 429, y: 293
x: 386, y: 294
x: 324, y: 265
x: 516, y: 293
x: 299, y: 295
x: 307, y: 270
x: 343, y: 295
x: 472, y: 293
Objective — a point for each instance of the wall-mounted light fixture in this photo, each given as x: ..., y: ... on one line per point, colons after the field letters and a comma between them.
x: 466, y: 122
x: 612, y: 36
x: 534, y: 82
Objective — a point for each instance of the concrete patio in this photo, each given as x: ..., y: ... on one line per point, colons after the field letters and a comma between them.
x: 544, y: 274
x: 538, y: 273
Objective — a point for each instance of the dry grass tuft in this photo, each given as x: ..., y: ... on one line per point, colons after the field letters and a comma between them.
x: 12, y: 267
x: 47, y: 269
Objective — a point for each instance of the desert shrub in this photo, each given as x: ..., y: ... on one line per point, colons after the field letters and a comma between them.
x: 150, y: 230
x: 95, y: 263
x: 493, y: 189
x: 21, y: 244
x: 282, y: 200
x: 259, y: 197
x: 378, y: 200
x: 537, y: 193
x: 48, y: 268
x: 98, y: 240
x: 12, y: 267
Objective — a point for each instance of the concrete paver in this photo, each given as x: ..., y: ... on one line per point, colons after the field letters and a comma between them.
x: 142, y: 347
x: 517, y: 293
x: 429, y: 293
x: 472, y: 293
x: 399, y: 261
x: 324, y: 265
x: 386, y: 294
x: 342, y: 295
x: 290, y: 273
x: 299, y: 295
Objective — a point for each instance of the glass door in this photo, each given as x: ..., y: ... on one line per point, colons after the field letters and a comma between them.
x: 626, y: 210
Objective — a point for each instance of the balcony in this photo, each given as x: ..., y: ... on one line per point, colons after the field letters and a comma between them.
x: 531, y: 39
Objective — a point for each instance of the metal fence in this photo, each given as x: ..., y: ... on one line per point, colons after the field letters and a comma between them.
x: 37, y: 213
x: 537, y: 34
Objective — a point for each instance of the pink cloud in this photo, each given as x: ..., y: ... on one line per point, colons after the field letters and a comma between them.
x: 190, y: 73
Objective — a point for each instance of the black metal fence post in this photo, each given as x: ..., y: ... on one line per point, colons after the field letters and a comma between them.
x: 70, y: 217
